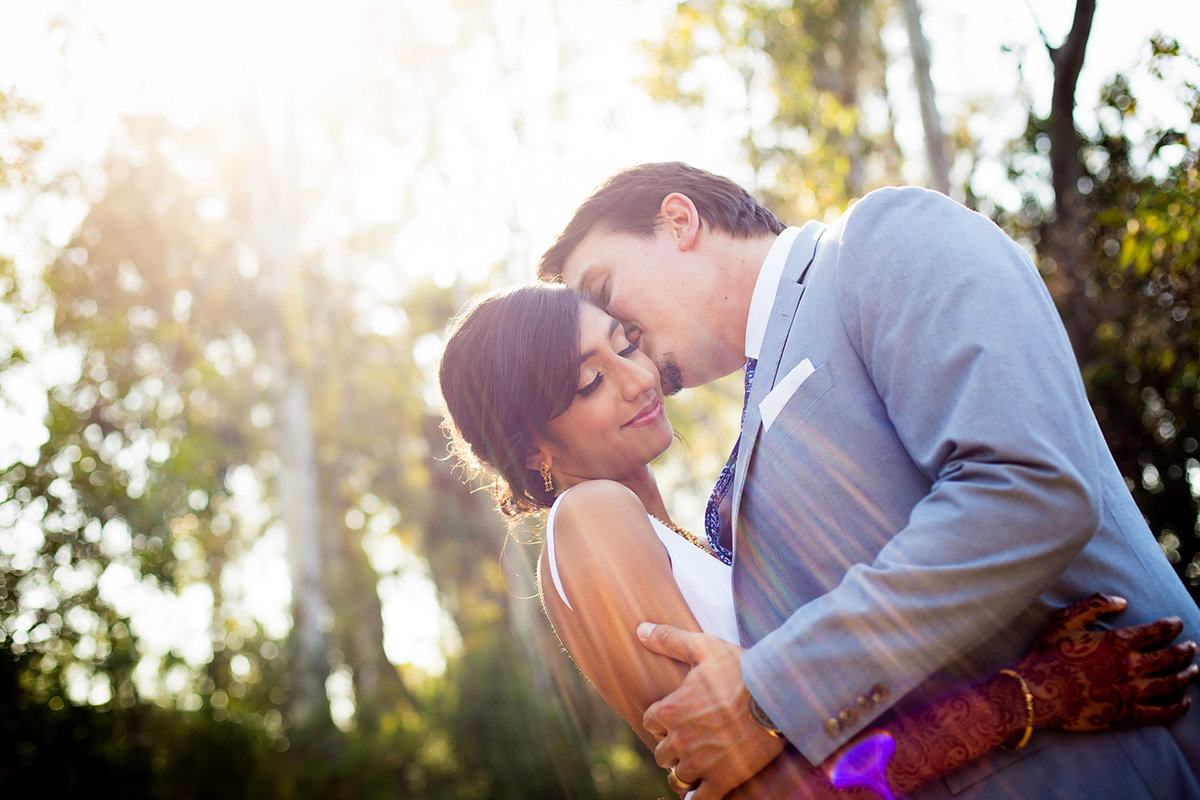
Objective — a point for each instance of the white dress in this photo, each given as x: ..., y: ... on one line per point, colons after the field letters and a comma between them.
x: 704, y: 580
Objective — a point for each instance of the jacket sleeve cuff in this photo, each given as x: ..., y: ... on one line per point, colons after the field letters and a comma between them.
x: 817, y: 718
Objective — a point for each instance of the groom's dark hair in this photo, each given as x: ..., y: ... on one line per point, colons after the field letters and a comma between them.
x: 629, y: 202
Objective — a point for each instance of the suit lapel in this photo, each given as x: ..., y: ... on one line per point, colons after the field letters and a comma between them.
x: 783, y: 312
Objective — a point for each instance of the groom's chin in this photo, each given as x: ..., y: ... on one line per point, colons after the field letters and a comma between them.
x: 669, y: 376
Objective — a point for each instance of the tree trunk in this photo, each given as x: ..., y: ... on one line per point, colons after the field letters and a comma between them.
x: 935, y: 139
x: 297, y: 487
x: 1066, y: 243
x: 307, y: 703
x: 843, y: 75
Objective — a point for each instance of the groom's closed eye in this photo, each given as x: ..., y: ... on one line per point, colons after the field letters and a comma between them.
x: 603, y: 295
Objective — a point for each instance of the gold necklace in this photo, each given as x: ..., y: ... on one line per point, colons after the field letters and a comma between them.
x: 691, y: 537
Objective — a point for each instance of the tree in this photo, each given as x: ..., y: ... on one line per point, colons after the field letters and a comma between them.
x: 1144, y: 371
x: 1127, y: 280
x: 185, y: 312
x: 53, y: 616
x: 814, y: 84
x: 935, y: 141
x: 1064, y: 252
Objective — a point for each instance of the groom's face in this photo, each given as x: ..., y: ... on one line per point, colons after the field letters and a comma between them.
x: 656, y: 291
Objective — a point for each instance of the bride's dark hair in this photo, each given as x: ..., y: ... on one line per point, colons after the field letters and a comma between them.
x: 510, y: 365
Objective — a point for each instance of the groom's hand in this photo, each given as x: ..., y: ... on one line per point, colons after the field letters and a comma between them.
x: 704, y: 727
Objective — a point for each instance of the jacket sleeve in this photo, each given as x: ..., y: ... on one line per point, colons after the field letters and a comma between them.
x: 967, y: 353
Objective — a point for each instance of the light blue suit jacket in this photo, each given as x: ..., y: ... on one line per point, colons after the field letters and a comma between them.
x: 928, y: 493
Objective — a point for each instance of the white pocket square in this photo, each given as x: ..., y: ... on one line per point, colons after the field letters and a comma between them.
x: 781, y: 392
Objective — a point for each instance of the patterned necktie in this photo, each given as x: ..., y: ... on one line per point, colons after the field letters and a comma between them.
x: 723, y: 545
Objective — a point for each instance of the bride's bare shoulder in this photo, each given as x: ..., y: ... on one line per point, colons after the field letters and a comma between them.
x: 597, y: 527
x: 598, y: 493
x: 597, y: 502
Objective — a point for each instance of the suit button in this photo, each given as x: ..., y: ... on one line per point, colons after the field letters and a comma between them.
x: 880, y: 693
x: 833, y: 728
x: 847, y: 716
x: 864, y: 703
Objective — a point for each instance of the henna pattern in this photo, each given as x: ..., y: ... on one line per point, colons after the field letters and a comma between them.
x: 951, y: 733
x: 1082, y: 679
x: 1087, y: 680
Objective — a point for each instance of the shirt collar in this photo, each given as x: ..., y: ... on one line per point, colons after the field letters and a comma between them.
x: 765, y: 289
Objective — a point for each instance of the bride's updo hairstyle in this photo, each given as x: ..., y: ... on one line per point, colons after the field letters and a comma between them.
x: 510, y: 365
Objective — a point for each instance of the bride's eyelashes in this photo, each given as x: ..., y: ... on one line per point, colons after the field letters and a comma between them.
x: 592, y: 386
x: 629, y: 349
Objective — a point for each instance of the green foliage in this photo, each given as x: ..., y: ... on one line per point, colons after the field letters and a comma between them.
x: 20, y: 143
x: 1140, y: 340
x: 144, y: 751
x: 807, y: 70
x: 182, y: 315
x: 509, y: 746
x: 180, y: 329
x: 78, y: 750
x: 488, y: 732
x: 132, y: 469
x: 522, y: 733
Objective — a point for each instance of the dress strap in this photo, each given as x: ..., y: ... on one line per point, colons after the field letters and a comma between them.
x: 562, y: 593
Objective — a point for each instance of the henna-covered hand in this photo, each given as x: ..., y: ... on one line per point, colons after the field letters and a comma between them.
x: 1087, y: 679
x: 1081, y: 678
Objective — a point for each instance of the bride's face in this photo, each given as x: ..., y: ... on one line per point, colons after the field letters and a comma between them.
x: 615, y: 424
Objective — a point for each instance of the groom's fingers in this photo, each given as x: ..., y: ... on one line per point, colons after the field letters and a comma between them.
x: 669, y: 641
x: 655, y: 726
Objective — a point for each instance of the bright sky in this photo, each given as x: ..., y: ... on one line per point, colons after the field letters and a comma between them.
x: 181, y: 57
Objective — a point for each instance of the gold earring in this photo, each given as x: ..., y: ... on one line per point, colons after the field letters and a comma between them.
x: 549, y: 481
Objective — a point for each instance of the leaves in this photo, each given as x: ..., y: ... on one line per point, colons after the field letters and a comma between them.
x: 1141, y: 282
x: 807, y: 71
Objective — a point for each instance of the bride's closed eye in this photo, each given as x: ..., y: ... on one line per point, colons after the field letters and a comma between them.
x: 624, y: 352
x: 592, y: 386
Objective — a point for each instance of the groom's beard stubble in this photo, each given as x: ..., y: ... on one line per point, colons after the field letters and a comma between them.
x: 669, y: 375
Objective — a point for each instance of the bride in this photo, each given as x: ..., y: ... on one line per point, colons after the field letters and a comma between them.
x: 546, y: 392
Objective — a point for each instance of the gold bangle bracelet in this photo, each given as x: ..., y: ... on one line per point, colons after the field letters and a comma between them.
x: 1028, y: 711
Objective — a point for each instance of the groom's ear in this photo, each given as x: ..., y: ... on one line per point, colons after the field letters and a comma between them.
x: 680, y: 219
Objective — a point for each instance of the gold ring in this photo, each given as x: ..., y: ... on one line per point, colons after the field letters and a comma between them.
x: 687, y: 787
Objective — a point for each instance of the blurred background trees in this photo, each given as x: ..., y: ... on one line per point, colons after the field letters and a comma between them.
x: 225, y: 484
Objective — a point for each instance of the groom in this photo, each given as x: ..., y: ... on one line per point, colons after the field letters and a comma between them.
x: 919, y: 479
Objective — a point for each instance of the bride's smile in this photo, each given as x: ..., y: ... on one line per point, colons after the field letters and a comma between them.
x: 648, y: 415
